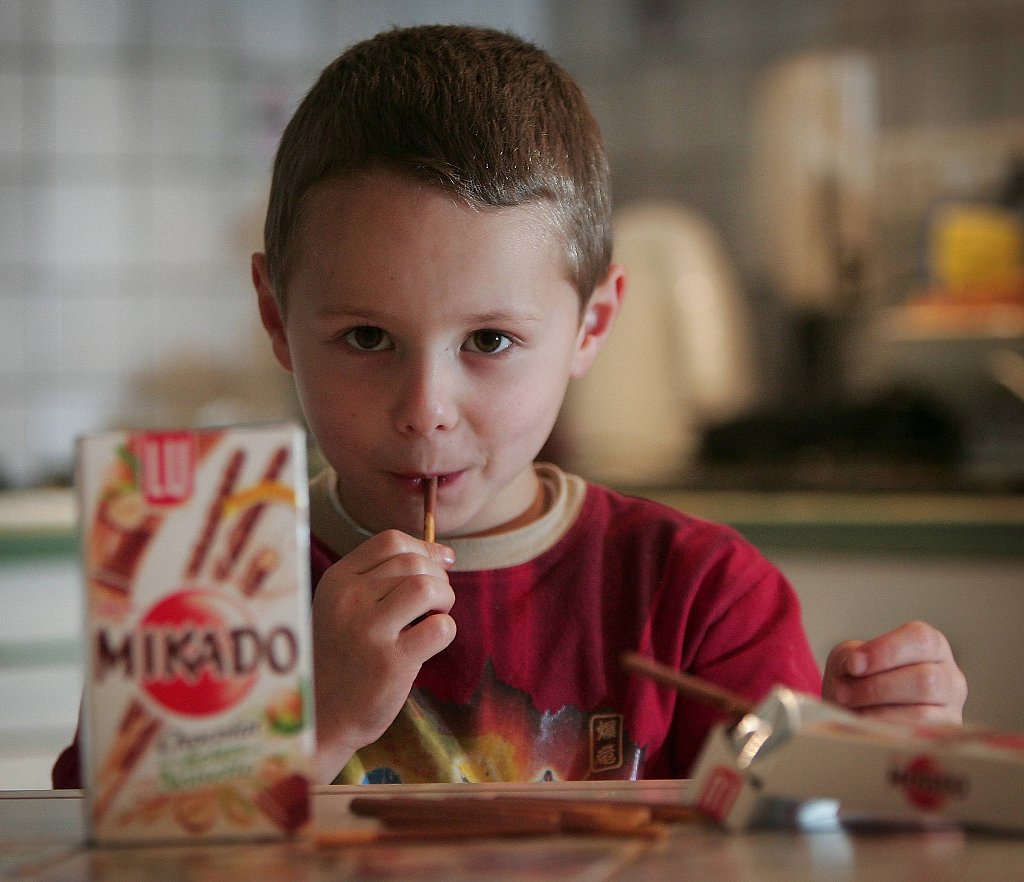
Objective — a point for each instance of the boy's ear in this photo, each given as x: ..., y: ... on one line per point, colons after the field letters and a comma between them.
x: 270, y: 311
x: 598, y: 319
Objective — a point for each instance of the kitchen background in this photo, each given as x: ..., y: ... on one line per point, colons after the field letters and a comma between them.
x: 137, y: 137
x: 804, y: 315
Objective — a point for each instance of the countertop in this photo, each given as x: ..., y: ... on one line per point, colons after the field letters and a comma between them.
x: 35, y: 523
x: 41, y: 837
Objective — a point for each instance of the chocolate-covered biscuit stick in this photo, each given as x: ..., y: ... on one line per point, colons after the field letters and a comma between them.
x: 215, y: 513
x: 135, y: 733
x: 241, y: 532
x: 256, y: 571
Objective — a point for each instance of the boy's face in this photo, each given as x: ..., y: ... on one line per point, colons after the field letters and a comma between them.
x: 429, y: 338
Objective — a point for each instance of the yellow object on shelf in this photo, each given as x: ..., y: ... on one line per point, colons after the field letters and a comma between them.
x: 974, y: 246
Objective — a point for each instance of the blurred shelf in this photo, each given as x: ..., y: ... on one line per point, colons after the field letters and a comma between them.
x: 956, y: 321
x: 37, y: 523
x: 29, y: 510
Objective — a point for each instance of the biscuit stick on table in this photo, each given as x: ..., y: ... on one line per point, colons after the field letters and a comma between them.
x: 429, y: 504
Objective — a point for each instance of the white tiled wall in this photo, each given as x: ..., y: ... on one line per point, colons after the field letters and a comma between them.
x: 136, y: 138
x: 135, y: 144
x: 674, y: 83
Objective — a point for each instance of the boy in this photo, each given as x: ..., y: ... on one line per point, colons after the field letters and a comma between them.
x: 437, y: 269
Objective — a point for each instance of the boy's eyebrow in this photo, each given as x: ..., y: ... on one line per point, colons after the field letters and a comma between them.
x: 501, y: 316
x: 492, y: 317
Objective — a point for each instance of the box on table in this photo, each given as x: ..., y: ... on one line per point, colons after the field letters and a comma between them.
x: 197, y: 719
x: 793, y: 750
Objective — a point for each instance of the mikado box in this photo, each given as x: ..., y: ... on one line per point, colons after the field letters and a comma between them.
x: 795, y: 752
x: 197, y: 717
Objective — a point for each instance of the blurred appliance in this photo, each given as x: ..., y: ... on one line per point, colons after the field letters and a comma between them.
x: 952, y: 218
x: 815, y: 134
x: 814, y: 191
x: 679, y: 357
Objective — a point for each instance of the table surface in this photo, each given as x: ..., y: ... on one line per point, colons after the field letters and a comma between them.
x: 41, y: 838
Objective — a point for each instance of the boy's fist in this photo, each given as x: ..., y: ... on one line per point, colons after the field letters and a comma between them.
x: 378, y: 614
x: 906, y: 675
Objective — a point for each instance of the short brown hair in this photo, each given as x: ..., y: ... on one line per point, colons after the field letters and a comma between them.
x: 479, y: 113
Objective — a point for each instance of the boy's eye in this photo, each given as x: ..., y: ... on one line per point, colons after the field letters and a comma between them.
x: 367, y: 338
x: 487, y: 342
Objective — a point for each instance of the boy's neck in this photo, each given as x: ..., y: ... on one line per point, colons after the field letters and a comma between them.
x: 541, y: 503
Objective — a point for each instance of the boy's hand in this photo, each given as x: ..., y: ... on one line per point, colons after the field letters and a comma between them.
x: 907, y: 675
x: 378, y: 614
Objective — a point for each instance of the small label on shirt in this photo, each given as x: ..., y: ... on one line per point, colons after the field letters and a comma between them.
x: 605, y: 742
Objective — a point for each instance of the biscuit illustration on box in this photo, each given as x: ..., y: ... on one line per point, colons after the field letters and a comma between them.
x: 128, y: 515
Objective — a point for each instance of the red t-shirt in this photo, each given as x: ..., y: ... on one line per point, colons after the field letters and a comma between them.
x: 532, y: 687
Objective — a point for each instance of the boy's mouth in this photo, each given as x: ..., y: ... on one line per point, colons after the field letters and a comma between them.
x: 442, y: 477
x: 416, y: 481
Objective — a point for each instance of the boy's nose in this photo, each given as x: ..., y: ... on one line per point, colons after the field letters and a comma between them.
x: 425, y: 403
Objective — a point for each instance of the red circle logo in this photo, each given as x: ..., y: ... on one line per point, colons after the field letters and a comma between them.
x: 924, y: 783
x: 194, y: 654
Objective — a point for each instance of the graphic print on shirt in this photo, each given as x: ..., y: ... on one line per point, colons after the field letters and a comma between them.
x: 499, y: 735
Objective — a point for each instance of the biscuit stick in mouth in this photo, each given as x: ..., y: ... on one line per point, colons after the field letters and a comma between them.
x: 429, y: 504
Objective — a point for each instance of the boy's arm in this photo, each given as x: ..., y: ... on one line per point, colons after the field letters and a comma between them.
x: 67, y: 771
x: 748, y: 638
x: 378, y: 614
x: 908, y: 674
